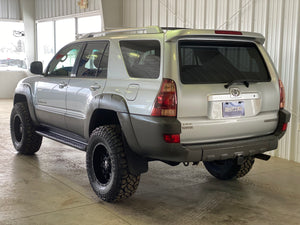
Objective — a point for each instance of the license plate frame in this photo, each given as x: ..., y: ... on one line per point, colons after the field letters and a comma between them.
x: 233, y: 109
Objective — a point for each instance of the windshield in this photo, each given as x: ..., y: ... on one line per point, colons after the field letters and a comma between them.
x: 204, y: 62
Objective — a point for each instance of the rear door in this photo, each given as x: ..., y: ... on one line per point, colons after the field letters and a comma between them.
x: 88, y: 83
x: 225, y: 91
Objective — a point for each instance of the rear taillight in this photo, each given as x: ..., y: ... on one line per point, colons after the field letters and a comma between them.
x: 282, y: 95
x: 284, y: 127
x: 166, y: 101
x: 172, y: 138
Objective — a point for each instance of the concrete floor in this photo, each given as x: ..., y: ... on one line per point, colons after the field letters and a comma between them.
x: 52, y: 188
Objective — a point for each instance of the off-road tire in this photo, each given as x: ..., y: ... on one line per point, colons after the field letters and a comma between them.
x: 107, y: 166
x: 25, y: 140
x: 229, y: 168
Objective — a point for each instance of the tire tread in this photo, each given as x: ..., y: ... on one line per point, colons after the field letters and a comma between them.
x: 229, y: 169
x: 128, y: 183
x: 31, y: 140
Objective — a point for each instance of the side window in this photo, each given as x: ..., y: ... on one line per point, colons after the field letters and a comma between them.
x: 94, y: 60
x: 64, y: 61
x: 142, y: 58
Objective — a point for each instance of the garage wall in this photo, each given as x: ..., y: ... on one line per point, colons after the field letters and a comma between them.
x: 10, y: 10
x: 277, y: 20
x: 58, y: 8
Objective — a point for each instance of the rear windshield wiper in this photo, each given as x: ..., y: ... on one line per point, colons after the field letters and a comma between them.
x: 245, y: 82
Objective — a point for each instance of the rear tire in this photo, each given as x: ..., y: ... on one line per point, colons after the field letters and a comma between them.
x: 25, y: 140
x: 229, y: 168
x: 107, y: 166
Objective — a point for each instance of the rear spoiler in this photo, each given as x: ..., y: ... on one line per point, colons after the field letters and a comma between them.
x: 172, y: 35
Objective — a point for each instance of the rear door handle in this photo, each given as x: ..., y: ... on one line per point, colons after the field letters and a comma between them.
x: 95, y: 87
x: 62, y: 85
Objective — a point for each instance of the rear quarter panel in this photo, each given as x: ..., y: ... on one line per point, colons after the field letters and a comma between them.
x: 139, y: 93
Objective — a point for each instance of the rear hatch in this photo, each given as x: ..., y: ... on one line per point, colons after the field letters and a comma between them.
x: 226, y: 90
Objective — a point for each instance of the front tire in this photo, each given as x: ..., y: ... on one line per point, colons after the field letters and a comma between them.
x: 25, y: 140
x: 107, y: 166
x: 229, y: 168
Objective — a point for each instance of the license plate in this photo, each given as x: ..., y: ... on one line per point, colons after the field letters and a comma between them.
x: 233, y: 109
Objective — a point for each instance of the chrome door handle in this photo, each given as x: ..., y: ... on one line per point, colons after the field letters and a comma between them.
x: 62, y: 85
x: 95, y: 87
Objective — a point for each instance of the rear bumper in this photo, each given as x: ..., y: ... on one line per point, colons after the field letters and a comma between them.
x: 149, y: 141
x: 232, y: 149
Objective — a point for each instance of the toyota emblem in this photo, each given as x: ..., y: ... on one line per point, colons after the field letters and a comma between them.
x: 235, y: 92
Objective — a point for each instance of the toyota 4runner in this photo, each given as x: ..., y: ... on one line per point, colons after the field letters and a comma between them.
x: 131, y: 96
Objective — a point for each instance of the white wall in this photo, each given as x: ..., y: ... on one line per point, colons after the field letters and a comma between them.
x: 277, y: 20
x: 9, y: 81
x: 10, y: 10
x: 46, y: 9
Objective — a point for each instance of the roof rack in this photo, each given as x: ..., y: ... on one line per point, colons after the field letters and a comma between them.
x: 147, y: 30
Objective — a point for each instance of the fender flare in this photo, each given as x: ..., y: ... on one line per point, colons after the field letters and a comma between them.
x: 25, y: 90
x: 137, y: 164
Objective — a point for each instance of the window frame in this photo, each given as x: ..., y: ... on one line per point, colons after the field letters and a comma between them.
x: 82, y: 53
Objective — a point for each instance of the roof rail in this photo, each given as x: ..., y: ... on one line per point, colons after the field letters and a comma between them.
x: 147, y: 30
x: 174, y: 28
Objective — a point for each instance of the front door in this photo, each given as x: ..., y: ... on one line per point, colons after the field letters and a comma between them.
x: 51, y: 90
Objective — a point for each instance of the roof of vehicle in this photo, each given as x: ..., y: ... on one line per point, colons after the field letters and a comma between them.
x: 172, y: 34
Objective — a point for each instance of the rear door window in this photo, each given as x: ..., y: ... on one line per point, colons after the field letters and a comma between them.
x: 221, y: 62
x: 94, y: 61
x: 142, y: 58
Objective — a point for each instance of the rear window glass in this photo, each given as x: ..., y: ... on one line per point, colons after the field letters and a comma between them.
x: 142, y: 58
x: 220, y: 62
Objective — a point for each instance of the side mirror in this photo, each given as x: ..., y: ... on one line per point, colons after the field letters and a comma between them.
x: 36, y: 67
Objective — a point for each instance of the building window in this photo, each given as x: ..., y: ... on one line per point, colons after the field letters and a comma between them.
x: 55, y: 34
x: 12, y: 47
x: 65, y: 32
x: 89, y: 24
x: 45, y: 41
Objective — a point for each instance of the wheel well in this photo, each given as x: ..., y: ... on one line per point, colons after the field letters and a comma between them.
x: 102, y: 117
x: 19, y: 98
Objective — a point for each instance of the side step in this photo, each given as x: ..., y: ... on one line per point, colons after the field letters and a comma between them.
x: 62, y: 138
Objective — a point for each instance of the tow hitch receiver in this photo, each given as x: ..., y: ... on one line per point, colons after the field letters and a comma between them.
x: 263, y: 157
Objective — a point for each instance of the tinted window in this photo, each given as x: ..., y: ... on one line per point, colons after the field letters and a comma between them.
x: 63, y: 62
x: 220, y: 62
x: 94, y: 60
x: 142, y: 58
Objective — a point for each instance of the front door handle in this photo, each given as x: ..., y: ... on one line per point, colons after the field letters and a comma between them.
x: 95, y: 87
x: 62, y: 85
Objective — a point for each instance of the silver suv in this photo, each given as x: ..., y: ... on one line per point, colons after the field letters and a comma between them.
x: 131, y: 96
